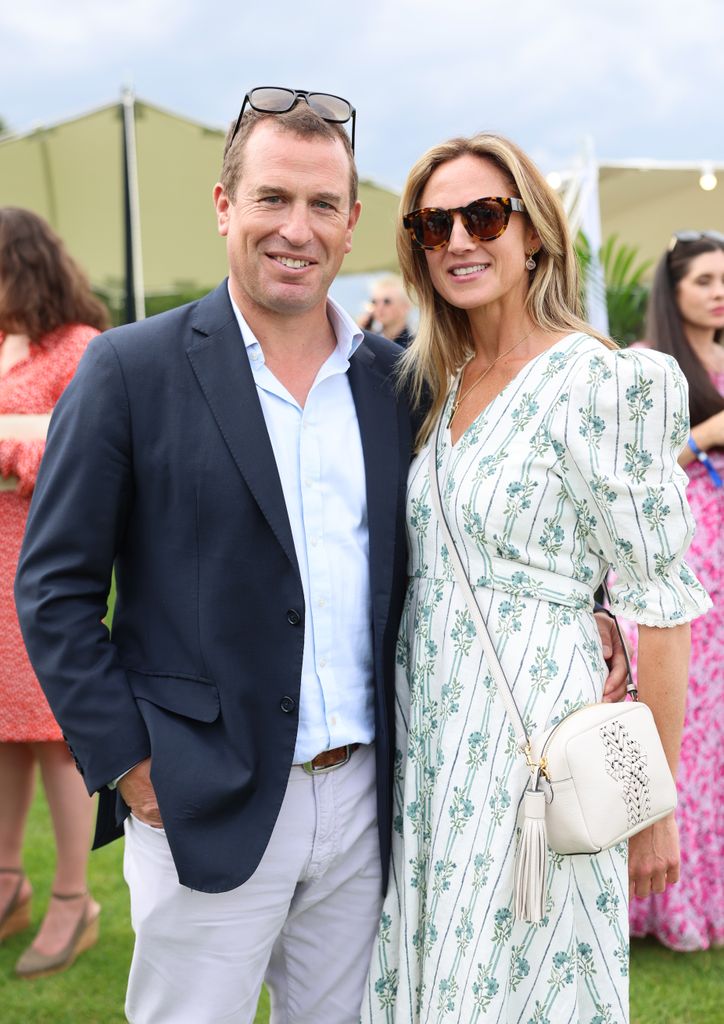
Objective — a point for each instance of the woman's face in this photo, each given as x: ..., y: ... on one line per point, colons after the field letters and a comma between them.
x: 466, y: 272
x: 700, y: 293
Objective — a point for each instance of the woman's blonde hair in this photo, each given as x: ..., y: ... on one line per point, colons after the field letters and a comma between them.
x: 444, y: 340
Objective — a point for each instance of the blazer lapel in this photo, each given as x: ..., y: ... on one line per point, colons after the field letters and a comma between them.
x: 376, y: 405
x: 220, y: 363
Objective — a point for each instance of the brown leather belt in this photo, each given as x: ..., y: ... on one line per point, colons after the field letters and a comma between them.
x: 329, y: 759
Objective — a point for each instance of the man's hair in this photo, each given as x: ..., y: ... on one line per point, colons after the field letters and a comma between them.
x: 301, y: 120
x: 41, y: 285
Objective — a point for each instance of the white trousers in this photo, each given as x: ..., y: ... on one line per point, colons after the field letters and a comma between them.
x: 304, y: 922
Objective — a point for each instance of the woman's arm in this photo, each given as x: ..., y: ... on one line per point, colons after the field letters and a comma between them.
x: 709, y: 434
x: 663, y: 665
x: 21, y: 431
x: 24, y: 427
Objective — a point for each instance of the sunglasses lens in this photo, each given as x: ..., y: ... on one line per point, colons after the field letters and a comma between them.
x: 331, y: 108
x: 273, y: 101
x: 486, y: 219
x: 431, y: 227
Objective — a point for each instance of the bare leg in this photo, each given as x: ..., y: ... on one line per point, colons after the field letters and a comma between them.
x: 71, y: 810
x: 16, y: 793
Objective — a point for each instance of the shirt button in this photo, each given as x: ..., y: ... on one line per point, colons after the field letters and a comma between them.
x: 322, y: 662
x: 287, y: 704
x: 321, y: 602
x: 307, y: 482
x: 293, y: 617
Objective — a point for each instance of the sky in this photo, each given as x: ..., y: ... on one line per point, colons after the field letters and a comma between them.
x: 640, y: 78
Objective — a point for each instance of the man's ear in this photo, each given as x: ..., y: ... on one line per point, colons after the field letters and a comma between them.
x: 351, y: 224
x: 222, y: 205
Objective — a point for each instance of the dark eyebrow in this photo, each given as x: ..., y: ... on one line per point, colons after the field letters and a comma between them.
x: 333, y: 198
x: 269, y: 190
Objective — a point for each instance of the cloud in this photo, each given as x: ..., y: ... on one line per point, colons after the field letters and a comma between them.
x: 642, y: 78
x: 57, y: 35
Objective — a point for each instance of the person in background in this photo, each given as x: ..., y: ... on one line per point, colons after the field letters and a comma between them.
x: 48, y: 314
x: 389, y: 309
x: 686, y: 320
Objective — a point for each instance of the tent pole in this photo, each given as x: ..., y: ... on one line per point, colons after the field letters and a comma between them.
x: 135, y: 297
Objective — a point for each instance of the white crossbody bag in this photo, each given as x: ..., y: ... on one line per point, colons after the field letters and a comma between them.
x: 598, y: 776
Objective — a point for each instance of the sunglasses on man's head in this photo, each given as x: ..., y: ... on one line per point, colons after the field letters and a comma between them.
x: 695, y: 236
x: 484, y: 219
x: 276, y: 100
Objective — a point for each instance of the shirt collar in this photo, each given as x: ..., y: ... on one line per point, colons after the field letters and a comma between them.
x: 349, y: 336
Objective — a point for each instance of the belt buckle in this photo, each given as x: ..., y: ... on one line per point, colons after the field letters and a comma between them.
x: 309, y: 768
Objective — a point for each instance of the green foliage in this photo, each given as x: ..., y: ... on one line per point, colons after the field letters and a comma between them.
x: 154, y: 303
x: 626, y: 293
x: 675, y: 988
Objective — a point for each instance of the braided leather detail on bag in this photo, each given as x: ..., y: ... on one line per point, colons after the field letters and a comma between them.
x: 626, y: 762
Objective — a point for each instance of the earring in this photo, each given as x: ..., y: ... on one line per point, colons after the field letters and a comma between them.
x: 530, y: 263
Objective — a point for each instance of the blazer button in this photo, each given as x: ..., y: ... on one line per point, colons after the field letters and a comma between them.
x: 287, y: 704
x: 293, y: 617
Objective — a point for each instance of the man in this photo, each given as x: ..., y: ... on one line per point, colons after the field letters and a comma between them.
x: 242, y: 461
x: 390, y: 308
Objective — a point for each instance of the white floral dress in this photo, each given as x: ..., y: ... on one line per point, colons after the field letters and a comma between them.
x: 571, y: 468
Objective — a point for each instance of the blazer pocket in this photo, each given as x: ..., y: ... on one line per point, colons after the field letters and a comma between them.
x: 194, y: 698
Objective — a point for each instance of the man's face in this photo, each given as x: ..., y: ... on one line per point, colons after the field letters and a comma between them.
x: 389, y: 306
x: 291, y: 222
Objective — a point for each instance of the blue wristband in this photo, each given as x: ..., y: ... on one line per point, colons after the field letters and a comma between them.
x: 705, y: 461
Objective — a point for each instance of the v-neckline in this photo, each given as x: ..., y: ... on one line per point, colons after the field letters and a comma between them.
x: 483, y: 412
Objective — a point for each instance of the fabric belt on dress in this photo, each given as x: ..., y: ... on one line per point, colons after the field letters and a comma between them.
x: 329, y: 759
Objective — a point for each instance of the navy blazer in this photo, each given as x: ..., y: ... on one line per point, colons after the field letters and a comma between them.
x: 158, y: 463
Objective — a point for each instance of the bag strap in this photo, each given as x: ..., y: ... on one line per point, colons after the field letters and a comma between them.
x: 496, y: 669
x: 631, y: 687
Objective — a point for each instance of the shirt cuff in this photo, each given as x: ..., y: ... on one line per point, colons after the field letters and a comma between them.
x: 114, y: 782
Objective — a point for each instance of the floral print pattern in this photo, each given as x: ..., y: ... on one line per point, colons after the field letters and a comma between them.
x: 31, y: 386
x: 542, y: 492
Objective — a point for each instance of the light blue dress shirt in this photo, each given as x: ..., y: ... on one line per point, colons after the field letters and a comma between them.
x: 318, y: 452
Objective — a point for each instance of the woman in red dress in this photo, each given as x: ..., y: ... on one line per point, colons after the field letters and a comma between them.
x: 48, y: 315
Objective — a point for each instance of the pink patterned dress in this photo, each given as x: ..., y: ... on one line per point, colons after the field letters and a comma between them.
x: 31, y: 386
x: 690, y: 915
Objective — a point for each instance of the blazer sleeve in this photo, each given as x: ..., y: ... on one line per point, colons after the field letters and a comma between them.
x: 75, y: 527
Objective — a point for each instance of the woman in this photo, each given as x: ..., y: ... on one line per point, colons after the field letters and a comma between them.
x: 48, y: 315
x: 686, y: 320
x: 557, y: 456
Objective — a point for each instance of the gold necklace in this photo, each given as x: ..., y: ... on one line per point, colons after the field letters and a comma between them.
x: 459, y: 399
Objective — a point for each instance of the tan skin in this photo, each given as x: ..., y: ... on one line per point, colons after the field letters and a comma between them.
x: 71, y: 810
x: 493, y: 291
x: 293, y: 325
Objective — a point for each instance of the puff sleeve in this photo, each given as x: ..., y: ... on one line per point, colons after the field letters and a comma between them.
x: 620, y: 427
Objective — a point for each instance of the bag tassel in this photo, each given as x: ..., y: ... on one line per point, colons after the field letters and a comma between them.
x: 530, y: 867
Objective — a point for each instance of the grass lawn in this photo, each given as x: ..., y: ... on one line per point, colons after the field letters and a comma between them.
x: 666, y: 987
